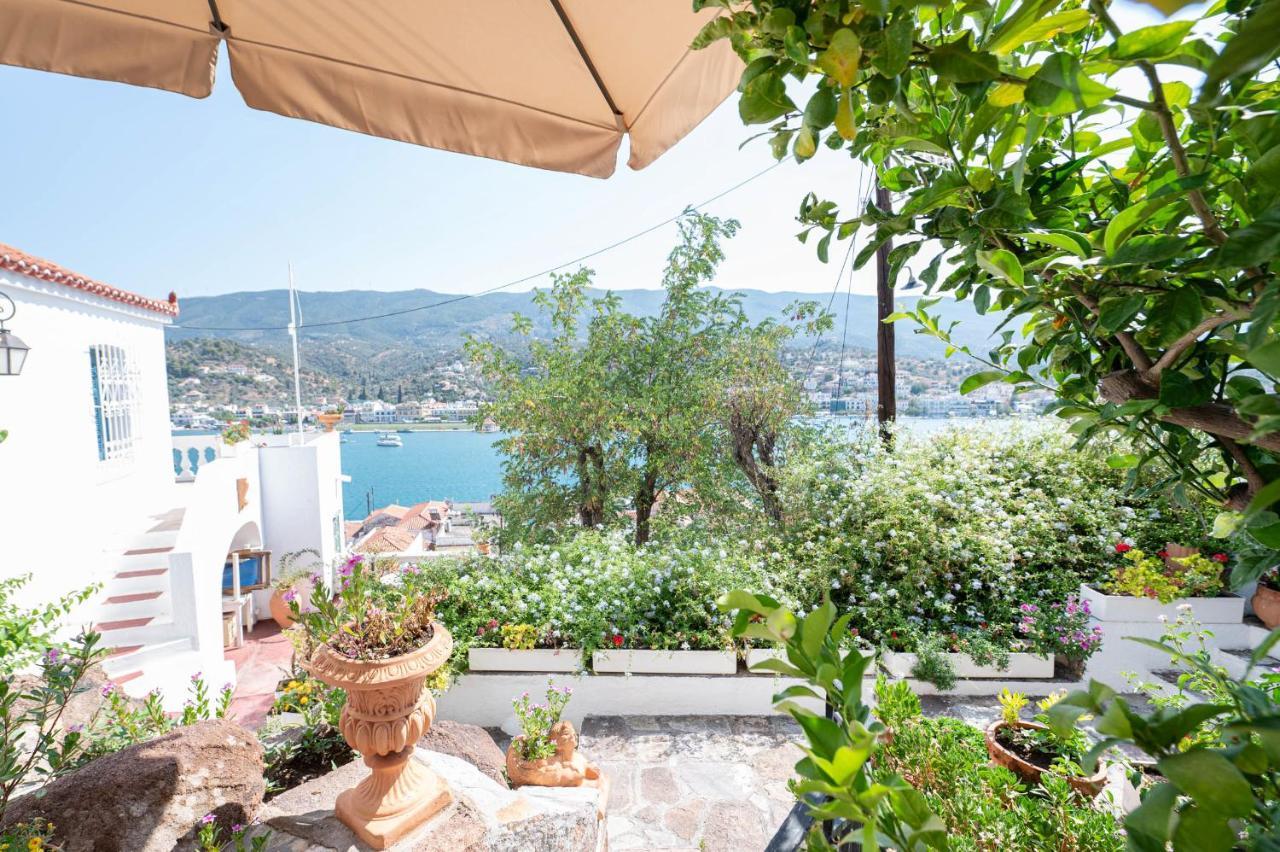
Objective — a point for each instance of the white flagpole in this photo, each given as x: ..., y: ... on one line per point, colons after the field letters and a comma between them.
x: 297, y: 373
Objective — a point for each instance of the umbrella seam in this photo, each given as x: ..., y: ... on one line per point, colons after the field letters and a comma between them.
x: 410, y: 77
x: 151, y: 18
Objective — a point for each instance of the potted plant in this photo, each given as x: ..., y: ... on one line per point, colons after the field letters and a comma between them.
x: 1029, y: 749
x: 544, y: 753
x: 522, y: 648
x: 235, y: 432
x: 380, y: 644
x: 331, y: 417
x: 482, y: 536
x: 285, y: 590
x: 1063, y: 629
x: 1266, y: 599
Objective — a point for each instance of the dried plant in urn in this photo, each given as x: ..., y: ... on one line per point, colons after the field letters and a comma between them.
x: 380, y: 644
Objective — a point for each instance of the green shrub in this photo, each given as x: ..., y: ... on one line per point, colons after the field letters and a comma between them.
x: 985, y: 807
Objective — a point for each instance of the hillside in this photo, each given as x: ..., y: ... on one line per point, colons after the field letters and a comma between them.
x: 436, y: 332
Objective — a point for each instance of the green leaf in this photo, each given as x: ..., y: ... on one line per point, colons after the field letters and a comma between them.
x: 1130, y: 219
x: 764, y: 99
x: 1210, y: 779
x: 1010, y: 34
x: 1147, y: 249
x: 1061, y: 86
x: 1002, y: 263
x: 1115, y: 313
x: 1266, y: 358
x: 1148, y: 824
x: 821, y: 109
x: 1046, y: 28
x: 1267, y: 495
x: 840, y: 60
x: 1068, y: 241
x: 1150, y: 42
x: 892, y: 58
x: 1178, y: 390
x: 1250, y: 48
x: 795, y: 42
x: 1254, y: 244
x: 714, y: 30
x: 1201, y: 830
x: 959, y: 62
x: 977, y: 380
x: 1123, y: 461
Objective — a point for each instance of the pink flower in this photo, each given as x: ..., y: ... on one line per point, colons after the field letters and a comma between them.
x: 207, y: 819
x: 290, y: 596
x: 107, y: 689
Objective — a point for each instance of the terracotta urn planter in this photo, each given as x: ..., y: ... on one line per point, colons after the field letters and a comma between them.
x: 1028, y: 771
x: 329, y: 420
x: 1266, y: 605
x: 280, y: 610
x: 388, y: 710
x: 482, y: 547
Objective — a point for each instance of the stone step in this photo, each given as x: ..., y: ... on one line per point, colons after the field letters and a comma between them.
x: 153, y: 604
x: 139, y: 657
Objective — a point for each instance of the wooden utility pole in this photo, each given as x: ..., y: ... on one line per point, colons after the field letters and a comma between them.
x: 886, y: 370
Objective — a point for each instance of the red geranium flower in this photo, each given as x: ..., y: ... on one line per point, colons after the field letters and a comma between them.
x: 1163, y: 554
x: 617, y: 640
x: 1220, y: 557
x: 1121, y: 547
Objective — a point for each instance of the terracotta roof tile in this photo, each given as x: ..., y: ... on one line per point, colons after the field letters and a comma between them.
x: 387, y: 540
x: 26, y: 264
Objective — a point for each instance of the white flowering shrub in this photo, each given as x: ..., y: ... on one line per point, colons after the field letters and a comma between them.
x: 595, y: 590
x: 949, y: 534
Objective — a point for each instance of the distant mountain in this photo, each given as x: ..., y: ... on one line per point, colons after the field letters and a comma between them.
x: 427, y: 334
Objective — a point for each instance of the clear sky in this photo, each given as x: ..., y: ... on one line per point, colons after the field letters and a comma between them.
x: 153, y: 192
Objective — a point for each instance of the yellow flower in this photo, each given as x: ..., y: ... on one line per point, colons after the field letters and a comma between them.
x: 35, y: 844
x: 302, y: 700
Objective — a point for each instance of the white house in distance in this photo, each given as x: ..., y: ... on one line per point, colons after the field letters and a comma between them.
x: 99, y: 491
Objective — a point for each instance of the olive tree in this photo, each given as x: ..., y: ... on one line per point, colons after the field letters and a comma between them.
x: 1062, y: 171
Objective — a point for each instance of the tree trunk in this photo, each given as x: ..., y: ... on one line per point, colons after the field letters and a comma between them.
x: 591, y: 486
x: 747, y: 442
x: 646, y: 497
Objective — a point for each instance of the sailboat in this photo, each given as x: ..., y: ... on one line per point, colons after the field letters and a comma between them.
x: 389, y: 439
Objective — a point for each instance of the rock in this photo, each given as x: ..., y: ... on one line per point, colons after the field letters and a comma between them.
x: 471, y: 743
x: 484, y: 816
x: 149, y: 797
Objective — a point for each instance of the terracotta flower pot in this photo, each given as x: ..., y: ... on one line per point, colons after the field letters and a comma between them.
x: 1028, y: 771
x: 483, y: 547
x: 280, y: 610
x: 1266, y: 605
x: 388, y: 710
x: 328, y: 421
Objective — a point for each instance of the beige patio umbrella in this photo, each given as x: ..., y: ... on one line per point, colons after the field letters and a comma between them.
x: 548, y: 83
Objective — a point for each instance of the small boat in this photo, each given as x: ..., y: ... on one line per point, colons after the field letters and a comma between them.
x: 406, y: 430
x: 388, y: 439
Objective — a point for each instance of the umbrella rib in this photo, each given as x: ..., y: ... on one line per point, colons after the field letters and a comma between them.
x: 410, y: 77
x: 591, y: 66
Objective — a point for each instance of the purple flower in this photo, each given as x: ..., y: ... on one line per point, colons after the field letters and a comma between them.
x: 316, y: 579
x: 207, y: 819
x: 107, y: 689
x: 237, y: 828
x: 52, y: 655
x: 196, y: 677
x: 290, y: 596
x: 75, y: 729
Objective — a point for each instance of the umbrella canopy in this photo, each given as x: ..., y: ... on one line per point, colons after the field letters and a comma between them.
x: 548, y: 83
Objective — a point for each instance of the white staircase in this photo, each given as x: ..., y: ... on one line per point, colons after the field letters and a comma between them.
x: 150, y: 646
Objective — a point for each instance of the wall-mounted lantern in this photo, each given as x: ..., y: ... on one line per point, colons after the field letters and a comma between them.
x: 12, y: 350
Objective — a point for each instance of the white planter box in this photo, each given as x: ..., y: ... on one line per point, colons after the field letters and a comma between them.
x: 900, y: 664
x: 666, y: 662
x: 759, y: 655
x: 534, y: 660
x: 1228, y: 609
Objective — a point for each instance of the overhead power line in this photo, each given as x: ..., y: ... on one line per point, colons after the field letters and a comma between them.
x: 463, y: 297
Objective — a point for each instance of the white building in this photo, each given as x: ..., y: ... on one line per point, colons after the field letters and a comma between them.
x: 100, y: 492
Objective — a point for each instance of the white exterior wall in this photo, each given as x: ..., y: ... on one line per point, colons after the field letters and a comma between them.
x: 61, y: 509
x: 301, y: 497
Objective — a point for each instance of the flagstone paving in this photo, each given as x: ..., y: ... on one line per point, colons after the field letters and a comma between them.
x: 694, y: 782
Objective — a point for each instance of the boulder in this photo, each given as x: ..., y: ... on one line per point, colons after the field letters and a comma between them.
x: 483, y: 816
x: 149, y: 797
x: 471, y: 743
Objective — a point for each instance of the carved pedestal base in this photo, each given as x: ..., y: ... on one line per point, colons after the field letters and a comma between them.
x: 399, y: 796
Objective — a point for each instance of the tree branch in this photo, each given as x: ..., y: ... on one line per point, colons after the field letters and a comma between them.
x: 1127, y: 342
x: 1182, y: 344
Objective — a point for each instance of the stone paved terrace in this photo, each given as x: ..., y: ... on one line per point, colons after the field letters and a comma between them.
x: 694, y: 782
